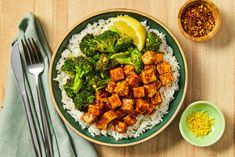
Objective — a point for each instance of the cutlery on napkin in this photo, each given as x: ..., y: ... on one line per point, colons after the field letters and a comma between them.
x: 15, y: 140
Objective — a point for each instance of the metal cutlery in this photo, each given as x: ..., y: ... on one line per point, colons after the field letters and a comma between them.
x: 18, y: 72
x: 35, y: 66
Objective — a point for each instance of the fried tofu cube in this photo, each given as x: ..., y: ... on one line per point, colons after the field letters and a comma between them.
x: 117, y: 74
x: 149, y: 57
x: 96, y: 109
x: 150, y: 66
x: 148, y: 76
x: 128, y: 69
x: 110, y: 115
x: 133, y: 80
x: 127, y: 105
x: 89, y: 117
x: 166, y: 78
x: 152, y: 57
x: 156, y: 99
x: 114, y: 101
x: 138, y: 92
x: 101, y: 95
x: 93, y: 110
x: 129, y: 120
x: 163, y: 68
x: 151, y: 89
x: 159, y: 58
x: 102, y: 123
x: 106, y: 118
x: 121, y: 114
x: 150, y: 109
x: 122, y: 88
x: 119, y: 126
x: 110, y: 87
x: 141, y: 105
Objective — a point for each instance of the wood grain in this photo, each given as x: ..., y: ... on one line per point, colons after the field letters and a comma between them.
x: 211, y: 64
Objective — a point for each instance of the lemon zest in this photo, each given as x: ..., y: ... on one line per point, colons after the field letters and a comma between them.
x: 200, y: 123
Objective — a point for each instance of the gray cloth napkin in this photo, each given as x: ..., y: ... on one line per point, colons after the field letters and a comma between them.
x: 15, y: 140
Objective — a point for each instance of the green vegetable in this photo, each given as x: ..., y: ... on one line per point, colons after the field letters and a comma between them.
x: 132, y: 57
x: 104, y: 74
x: 104, y: 42
x: 153, y: 42
x: 123, y: 44
x: 83, y: 98
x: 79, y: 68
x: 93, y: 59
x: 68, y: 87
x: 83, y: 67
x: 102, y: 63
x: 88, y: 45
x: 97, y: 81
x: 68, y: 67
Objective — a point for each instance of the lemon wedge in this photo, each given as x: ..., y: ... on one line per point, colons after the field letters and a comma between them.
x: 128, y: 26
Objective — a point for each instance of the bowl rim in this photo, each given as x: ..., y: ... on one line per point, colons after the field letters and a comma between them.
x: 56, y: 51
x: 211, y: 104
x: 210, y: 34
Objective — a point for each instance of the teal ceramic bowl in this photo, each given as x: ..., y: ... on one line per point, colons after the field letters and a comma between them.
x: 213, y: 113
x: 174, y: 105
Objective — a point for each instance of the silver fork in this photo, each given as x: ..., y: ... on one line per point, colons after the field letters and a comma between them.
x: 35, y: 66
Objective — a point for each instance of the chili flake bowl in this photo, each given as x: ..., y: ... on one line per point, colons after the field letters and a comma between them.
x: 214, y: 113
x: 216, y: 14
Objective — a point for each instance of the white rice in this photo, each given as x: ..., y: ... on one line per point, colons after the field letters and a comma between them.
x: 143, y: 122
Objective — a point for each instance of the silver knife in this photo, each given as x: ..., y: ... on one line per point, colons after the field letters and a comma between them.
x: 18, y: 72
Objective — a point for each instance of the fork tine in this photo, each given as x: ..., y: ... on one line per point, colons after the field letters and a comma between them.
x: 37, y: 50
x: 26, y: 53
x: 34, y: 51
x: 31, y: 53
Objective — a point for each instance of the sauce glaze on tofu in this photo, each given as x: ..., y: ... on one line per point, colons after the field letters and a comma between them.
x: 129, y: 94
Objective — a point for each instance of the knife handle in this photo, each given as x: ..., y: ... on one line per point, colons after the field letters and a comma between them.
x: 31, y: 124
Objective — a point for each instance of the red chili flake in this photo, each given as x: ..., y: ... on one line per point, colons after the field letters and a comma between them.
x: 198, y: 20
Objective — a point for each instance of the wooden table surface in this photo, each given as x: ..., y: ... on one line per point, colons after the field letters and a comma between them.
x: 211, y: 64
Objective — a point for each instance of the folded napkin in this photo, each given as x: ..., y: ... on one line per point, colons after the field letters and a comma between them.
x: 15, y: 139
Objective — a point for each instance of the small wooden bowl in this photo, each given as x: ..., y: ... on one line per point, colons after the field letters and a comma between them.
x: 216, y: 15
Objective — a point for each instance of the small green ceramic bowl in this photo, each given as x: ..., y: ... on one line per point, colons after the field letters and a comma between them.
x: 217, y: 129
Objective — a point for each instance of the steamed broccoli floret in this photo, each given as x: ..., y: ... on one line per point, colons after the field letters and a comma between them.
x: 97, y: 81
x: 132, y: 57
x: 102, y: 63
x: 78, y: 83
x: 68, y: 67
x: 106, y: 41
x: 80, y: 67
x: 93, y: 59
x: 123, y: 44
x: 83, y: 67
x: 104, y: 74
x: 68, y: 87
x: 103, y: 43
x: 83, y: 98
x: 88, y: 45
x: 153, y: 42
